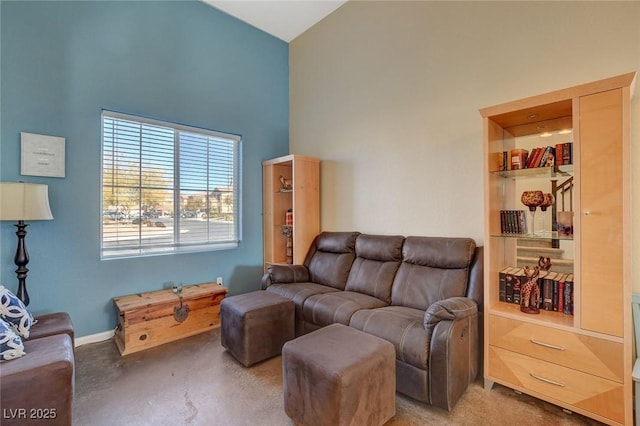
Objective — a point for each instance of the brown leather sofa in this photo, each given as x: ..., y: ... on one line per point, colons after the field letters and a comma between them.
x: 422, y: 294
x: 38, y: 388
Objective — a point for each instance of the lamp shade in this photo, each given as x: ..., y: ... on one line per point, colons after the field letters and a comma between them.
x: 24, y: 201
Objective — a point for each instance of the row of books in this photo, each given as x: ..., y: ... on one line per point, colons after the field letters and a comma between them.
x: 556, y: 289
x: 546, y: 156
x: 513, y: 222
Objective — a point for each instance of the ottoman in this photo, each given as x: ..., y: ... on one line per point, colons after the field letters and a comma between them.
x: 338, y: 375
x: 255, y: 326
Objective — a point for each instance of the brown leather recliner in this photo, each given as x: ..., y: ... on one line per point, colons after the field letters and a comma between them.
x: 38, y: 388
x: 422, y: 294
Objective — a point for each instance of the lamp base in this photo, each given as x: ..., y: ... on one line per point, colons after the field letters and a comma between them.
x: 21, y: 260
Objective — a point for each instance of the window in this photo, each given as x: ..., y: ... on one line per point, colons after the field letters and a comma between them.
x: 167, y: 188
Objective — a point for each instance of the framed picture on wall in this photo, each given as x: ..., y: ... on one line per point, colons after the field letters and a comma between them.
x: 42, y: 155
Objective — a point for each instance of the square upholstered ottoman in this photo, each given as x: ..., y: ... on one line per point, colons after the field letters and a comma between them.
x: 339, y: 376
x: 255, y: 326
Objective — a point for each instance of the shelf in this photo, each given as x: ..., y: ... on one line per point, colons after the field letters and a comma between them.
x: 512, y: 310
x: 547, y: 235
x: 537, y: 172
x: 283, y: 206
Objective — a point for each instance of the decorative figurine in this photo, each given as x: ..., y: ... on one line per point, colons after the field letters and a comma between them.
x: 544, y: 263
x: 530, y: 291
x: 287, y: 184
x: 182, y: 312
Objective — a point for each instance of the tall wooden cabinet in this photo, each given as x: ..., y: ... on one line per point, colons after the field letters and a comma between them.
x: 291, y: 207
x: 580, y: 361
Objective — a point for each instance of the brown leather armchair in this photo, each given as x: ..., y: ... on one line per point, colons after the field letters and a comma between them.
x: 38, y: 388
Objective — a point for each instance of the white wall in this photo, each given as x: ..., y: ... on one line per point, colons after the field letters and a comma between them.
x: 387, y: 95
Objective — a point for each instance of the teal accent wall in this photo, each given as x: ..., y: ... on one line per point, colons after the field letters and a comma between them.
x: 182, y: 61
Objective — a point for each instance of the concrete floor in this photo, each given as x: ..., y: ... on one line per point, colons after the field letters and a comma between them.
x: 196, y: 382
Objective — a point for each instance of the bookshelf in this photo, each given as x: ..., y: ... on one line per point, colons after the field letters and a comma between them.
x: 581, y: 362
x: 298, y: 198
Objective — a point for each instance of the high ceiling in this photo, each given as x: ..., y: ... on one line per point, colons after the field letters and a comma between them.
x: 283, y: 19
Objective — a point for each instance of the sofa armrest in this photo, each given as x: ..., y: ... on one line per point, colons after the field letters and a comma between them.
x: 453, y: 351
x: 451, y: 309
x: 285, y: 274
x: 42, y: 380
x: 50, y: 325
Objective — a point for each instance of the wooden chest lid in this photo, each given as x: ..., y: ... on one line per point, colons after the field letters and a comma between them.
x: 142, y: 300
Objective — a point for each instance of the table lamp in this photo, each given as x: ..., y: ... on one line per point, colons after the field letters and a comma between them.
x: 23, y: 201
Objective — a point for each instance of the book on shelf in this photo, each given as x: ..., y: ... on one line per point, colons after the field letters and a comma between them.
x: 563, y: 153
x: 538, y: 158
x: 513, y: 222
x: 568, y: 295
x: 547, y: 291
x: 531, y: 158
x: 518, y: 280
x: 561, y: 282
x: 559, y: 155
x: 502, y: 161
x: 540, y: 284
x: 556, y: 289
x: 510, y: 277
x: 518, y: 158
x: 545, y: 156
x: 567, y: 153
x: 554, y: 302
x: 502, y: 285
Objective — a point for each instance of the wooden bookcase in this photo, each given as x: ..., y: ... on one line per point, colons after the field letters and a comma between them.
x: 583, y: 361
x: 302, y: 200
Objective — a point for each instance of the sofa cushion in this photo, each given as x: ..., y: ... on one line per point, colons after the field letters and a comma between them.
x: 288, y: 273
x: 337, y: 242
x: 377, y: 260
x: 433, y: 269
x: 298, y: 292
x: 337, y: 307
x: 15, y: 313
x: 401, y: 326
x: 329, y: 260
x: 384, y: 248
x: 11, y: 346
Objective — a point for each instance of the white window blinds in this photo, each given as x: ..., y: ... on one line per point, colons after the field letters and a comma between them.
x: 167, y: 188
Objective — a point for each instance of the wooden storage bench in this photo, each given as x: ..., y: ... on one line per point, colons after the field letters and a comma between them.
x: 150, y: 319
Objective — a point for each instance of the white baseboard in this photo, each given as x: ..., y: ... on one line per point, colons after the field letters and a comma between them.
x: 94, y: 338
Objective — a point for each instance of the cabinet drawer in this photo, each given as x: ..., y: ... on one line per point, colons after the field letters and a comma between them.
x: 544, y: 379
x: 588, y: 354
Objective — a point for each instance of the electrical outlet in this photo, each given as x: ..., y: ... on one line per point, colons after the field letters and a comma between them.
x: 219, y: 280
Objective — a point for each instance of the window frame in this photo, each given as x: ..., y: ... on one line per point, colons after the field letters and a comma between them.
x: 176, y: 246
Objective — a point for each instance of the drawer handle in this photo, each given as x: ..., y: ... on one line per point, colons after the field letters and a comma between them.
x: 535, y: 376
x: 547, y: 345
